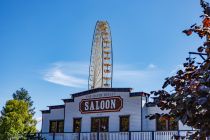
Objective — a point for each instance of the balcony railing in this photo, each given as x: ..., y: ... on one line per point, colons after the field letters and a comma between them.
x: 132, y: 135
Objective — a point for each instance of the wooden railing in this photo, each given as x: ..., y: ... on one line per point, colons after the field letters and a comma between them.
x: 131, y: 135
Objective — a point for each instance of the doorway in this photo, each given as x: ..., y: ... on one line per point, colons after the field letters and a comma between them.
x: 100, y: 124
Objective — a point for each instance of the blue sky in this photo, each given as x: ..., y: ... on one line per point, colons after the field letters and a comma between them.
x: 45, y: 45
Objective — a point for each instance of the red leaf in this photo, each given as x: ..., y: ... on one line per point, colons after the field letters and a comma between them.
x: 187, y: 32
x: 206, y: 22
x: 207, y: 43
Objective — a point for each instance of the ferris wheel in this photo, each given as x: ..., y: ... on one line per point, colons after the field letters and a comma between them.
x: 101, y: 61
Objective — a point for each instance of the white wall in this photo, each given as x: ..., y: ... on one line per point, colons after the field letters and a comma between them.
x: 55, y: 114
x: 131, y: 106
x: 151, y: 124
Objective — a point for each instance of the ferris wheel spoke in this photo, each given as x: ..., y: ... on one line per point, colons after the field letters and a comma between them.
x: 99, y: 81
x: 100, y: 71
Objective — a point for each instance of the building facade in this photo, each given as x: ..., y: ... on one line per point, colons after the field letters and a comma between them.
x: 105, y: 110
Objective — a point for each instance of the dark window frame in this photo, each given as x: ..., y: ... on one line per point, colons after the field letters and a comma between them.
x: 167, y: 125
x: 79, y: 126
x: 57, y: 130
x: 60, y: 130
x: 50, y: 126
x: 124, y: 116
x: 99, y: 125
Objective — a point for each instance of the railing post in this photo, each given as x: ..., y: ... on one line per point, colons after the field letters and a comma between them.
x: 53, y: 135
x: 153, y: 135
x: 79, y: 136
x: 97, y: 135
x: 129, y: 134
x: 39, y: 136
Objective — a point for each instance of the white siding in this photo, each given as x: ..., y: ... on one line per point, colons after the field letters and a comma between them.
x: 151, y: 124
x: 148, y: 125
x: 131, y: 106
x: 55, y: 114
x: 45, y: 122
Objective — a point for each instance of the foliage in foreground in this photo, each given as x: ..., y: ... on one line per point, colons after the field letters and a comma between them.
x: 16, y: 119
x: 189, y: 102
x: 23, y: 94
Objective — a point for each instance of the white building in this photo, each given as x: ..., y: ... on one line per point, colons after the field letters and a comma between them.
x: 106, y: 113
x: 105, y: 110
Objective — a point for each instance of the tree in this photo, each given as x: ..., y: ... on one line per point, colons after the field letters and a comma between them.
x: 16, y: 120
x: 189, y: 102
x: 23, y: 94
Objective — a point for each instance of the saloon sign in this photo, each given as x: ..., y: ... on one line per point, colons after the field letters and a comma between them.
x: 100, y: 105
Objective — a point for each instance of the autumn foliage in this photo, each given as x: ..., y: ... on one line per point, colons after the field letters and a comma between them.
x: 189, y: 102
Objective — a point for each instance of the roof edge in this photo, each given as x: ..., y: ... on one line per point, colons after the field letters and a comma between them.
x: 101, y: 90
x: 56, y: 107
x: 144, y: 94
x: 68, y: 100
x: 45, y: 111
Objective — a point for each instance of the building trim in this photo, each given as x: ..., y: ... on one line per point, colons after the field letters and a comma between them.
x: 56, y: 107
x: 45, y: 111
x: 64, y: 115
x: 68, y: 100
x: 42, y: 123
x: 96, y: 90
x: 101, y: 90
x: 134, y: 94
x: 53, y: 107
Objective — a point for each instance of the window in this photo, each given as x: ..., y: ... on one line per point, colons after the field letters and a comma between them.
x: 165, y: 124
x: 100, y: 124
x: 124, y: 123
x: 57, y: 126
x: 60, y: 128
x: 53, y: 126
x: 173, y: 125
x: 77, y: 125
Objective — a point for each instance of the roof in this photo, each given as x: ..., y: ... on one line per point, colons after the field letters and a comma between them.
x: 52, y: 107
x: 68, y: 100
x: 101, y: 90
x: 133, y: 94
x: 45, y: 111
x: 96, y: 90
x: 56, y: 107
